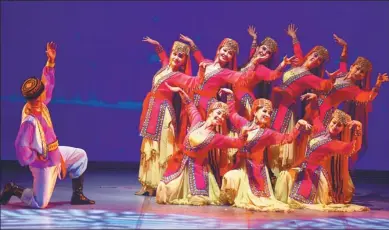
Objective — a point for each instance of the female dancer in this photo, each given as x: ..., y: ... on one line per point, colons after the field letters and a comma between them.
x: 188, y: 179
x: 158, y: 120
x: 308, y: 185
x: 212, y: 77
x: 349, y: 87
x: 248, y: 185
x: 305, y: 76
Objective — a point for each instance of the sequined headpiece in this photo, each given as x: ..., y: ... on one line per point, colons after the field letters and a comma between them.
x: 230, y: 44
x: 271, y: 44
x: 180, y: 47
x: 322, y: 52
x: 218, y: 105
x: 341, y: 116
x: 364, y: 63
x: 32, y: 88
x: 261, y: 102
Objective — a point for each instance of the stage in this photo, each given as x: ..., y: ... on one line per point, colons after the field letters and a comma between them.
x: 113, y: 185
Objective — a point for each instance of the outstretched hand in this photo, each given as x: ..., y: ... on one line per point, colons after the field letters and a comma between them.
x: 356, y: 124
x: 204, y: 64
x: 252, y: 32
x: 291, y: 31
x: 51, y: 51
x: 173, y: 88
x: 308, y: 96
x: 339, y: 40
x: 245, y: 129
x: 186, y: 39
x: 149, y: 40
x: 333, y: 74
x: 304, y: 124
x: 225, y: 91
x: 288, y: 61
x: 382, y: 77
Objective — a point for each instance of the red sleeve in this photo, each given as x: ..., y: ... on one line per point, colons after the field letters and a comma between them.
x: 237, y: 120
x: 185, y: 82
x: 343, y: 60
x: 162, y: 55
x: 262, y: 73
x: 365, y: 96
x: 193, y: 113
x: 348, y: 148
x: 298, y: 52
x: 230, y: 76
x: 197, y: 54
x: 276, y: 138
x: 224, y: 142
x: 319, y: 84
x: 253, y: 48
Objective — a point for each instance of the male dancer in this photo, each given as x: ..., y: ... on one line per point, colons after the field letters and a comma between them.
x: 37, y: 146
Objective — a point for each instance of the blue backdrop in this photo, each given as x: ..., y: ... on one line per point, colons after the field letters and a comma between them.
x: 104, y: 70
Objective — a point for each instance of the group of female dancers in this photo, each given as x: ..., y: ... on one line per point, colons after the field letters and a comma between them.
x: 212, y: 139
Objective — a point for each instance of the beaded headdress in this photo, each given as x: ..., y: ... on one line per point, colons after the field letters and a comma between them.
x: 218, y: 105
x: 341, y: 116
x: 271, y: 44
x: 180, y: 47
x: 230, y: 44
x: 261, y: 102
x: 364, y: 63
x: 322, y: 52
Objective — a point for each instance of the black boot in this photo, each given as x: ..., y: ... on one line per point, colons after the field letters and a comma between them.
x: 78, y: 197
x: 10, y: 189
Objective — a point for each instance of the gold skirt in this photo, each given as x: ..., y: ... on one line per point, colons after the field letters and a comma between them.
x: 154, y: 155
x: 177, y: 191
x: 237, y: 192
x: 322, y: 201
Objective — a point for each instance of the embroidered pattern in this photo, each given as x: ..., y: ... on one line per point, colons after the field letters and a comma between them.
x: 317, y: 141
x: 255, y: 189
x: 246, y: 98
x: 292, y: 75
x: 175, y: 175
x: 253, y: 142
x: 192, y: 178
x: 206, y: 142
x: 161, y: 115
x: 313, y: 188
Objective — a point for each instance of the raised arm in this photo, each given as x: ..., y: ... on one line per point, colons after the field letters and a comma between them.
x: 254, y: 45
x: 366, y: 96
x: 193, y: 113
x: 344, y: 55
x: 355, y: 145
x: 195, y: 50
x: 24, y: 153
x: 298, y: 52
x: 276, y: 138
x: 262, y: 73
x: 237, y: 120
x: 48, y: 73
x: 312, y: 112
x: 159, y: 50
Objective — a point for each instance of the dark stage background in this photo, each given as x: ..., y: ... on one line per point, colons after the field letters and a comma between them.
x: 104, y: 70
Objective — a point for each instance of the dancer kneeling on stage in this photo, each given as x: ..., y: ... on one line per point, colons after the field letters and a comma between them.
x: 37, y: 146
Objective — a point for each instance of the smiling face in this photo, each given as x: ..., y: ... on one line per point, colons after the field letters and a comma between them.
x: 225, y: 55
x: 264, y: 52
x: 177, y: 59
x: 262, y: 115
x: 217, y: 117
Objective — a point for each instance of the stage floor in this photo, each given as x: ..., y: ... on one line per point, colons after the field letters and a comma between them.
x: 117, y: 207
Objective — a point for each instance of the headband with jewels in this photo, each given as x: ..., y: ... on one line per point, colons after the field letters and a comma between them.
x: 271, y: 44
x: 180, y: 47
x: 230, y: 44
x: 364, y: 63
x: 341, y: 116
x: 32, y: 88
x: 262, y: 102
x: 322, y: 52
x: 218, y: 105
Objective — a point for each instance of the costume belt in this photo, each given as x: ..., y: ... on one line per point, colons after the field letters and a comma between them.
x: 52, y: 146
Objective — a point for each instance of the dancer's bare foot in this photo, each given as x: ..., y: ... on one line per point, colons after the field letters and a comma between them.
x: 141, y: 192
